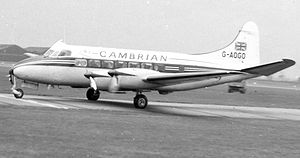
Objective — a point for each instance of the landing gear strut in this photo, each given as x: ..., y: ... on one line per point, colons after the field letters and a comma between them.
x: 140, y: 101
x: 92, y: 94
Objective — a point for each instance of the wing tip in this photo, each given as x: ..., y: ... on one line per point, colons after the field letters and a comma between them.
x: 289, y: 62
x: 271, y: 68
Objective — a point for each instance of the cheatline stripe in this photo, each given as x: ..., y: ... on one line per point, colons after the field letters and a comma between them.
x: 57, y: 60
x: 191, y: 68
x: 49, y: 62
x: 54, y: 64
x: 171, y: 68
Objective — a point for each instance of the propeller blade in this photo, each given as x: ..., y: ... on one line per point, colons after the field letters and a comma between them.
x: 114, y: 85
x: 11, y: 76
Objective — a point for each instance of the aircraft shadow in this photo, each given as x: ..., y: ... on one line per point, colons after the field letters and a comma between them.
x: 152, y: 108
x: 158, y: 109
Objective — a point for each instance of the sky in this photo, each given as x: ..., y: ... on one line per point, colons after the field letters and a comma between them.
x: 185, y: 26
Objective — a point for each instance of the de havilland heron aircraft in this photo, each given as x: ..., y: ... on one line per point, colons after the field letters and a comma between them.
x: 119, y: 70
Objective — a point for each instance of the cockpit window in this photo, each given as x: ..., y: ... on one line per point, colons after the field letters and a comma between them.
x: 65, y: 53
x: 48, y: 52
x: 53, y: 53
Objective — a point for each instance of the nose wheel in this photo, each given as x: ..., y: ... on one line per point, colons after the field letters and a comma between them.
x: 92, y: 94
x: 140, y: 101
x: 18, y: 93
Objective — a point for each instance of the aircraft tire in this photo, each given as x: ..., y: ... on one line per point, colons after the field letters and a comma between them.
x: 20, y: 95
x: 91, y: 94
x: 243, y: 91
x: 140, y: 101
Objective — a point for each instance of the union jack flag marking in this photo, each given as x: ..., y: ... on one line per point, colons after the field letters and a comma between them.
x: 240, y: 46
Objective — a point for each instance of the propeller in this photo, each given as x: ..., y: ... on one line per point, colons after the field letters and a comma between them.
x: 11, y: 76
x: 114, y: 84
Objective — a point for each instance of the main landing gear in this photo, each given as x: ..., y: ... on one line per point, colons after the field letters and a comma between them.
x: 140, y: 101
x: 92, y: 94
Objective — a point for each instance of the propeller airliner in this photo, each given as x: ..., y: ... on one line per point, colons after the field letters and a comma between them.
x: 119, y: 70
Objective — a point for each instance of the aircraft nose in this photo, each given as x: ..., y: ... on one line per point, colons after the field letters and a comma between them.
x: 21, y: 69
x: 17, y: 71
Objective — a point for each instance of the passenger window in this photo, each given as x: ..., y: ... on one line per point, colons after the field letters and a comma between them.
x: 134, y: 65
x: 81, y: 62
x: 159, y: 67
x: 147, y: 66
x: 108, y: 64
x: 120, y: 64
x: 94, y: 63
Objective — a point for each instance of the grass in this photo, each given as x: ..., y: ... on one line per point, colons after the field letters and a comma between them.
x: 46, y: 132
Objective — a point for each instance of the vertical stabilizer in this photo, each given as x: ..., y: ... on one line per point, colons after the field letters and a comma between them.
x: 241, y: 53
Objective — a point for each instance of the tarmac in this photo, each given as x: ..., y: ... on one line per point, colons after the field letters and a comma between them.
x: 184, y: 109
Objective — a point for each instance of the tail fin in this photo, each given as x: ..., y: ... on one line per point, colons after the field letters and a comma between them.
x: 241, y: 53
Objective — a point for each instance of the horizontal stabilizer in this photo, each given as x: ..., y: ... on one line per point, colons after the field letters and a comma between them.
x: 31, y: 54
x: 270, y: 68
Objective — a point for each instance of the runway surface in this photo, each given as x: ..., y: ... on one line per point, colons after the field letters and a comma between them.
x: 181, y: 109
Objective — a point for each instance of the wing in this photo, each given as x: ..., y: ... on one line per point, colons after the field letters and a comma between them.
x: 94, y: 74
x: 163, y: 78
x: 156, y: 77
x: 170, y: 78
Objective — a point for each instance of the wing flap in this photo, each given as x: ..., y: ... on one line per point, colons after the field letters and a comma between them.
x: 271, y: 68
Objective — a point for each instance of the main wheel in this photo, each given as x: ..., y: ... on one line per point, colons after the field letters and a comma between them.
x: 140, y: 101
x: 19, y: 94
x: 243, y: 90
x: 92, y: 94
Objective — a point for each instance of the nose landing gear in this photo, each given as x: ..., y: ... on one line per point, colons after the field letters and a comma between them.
x: 18, y: 93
